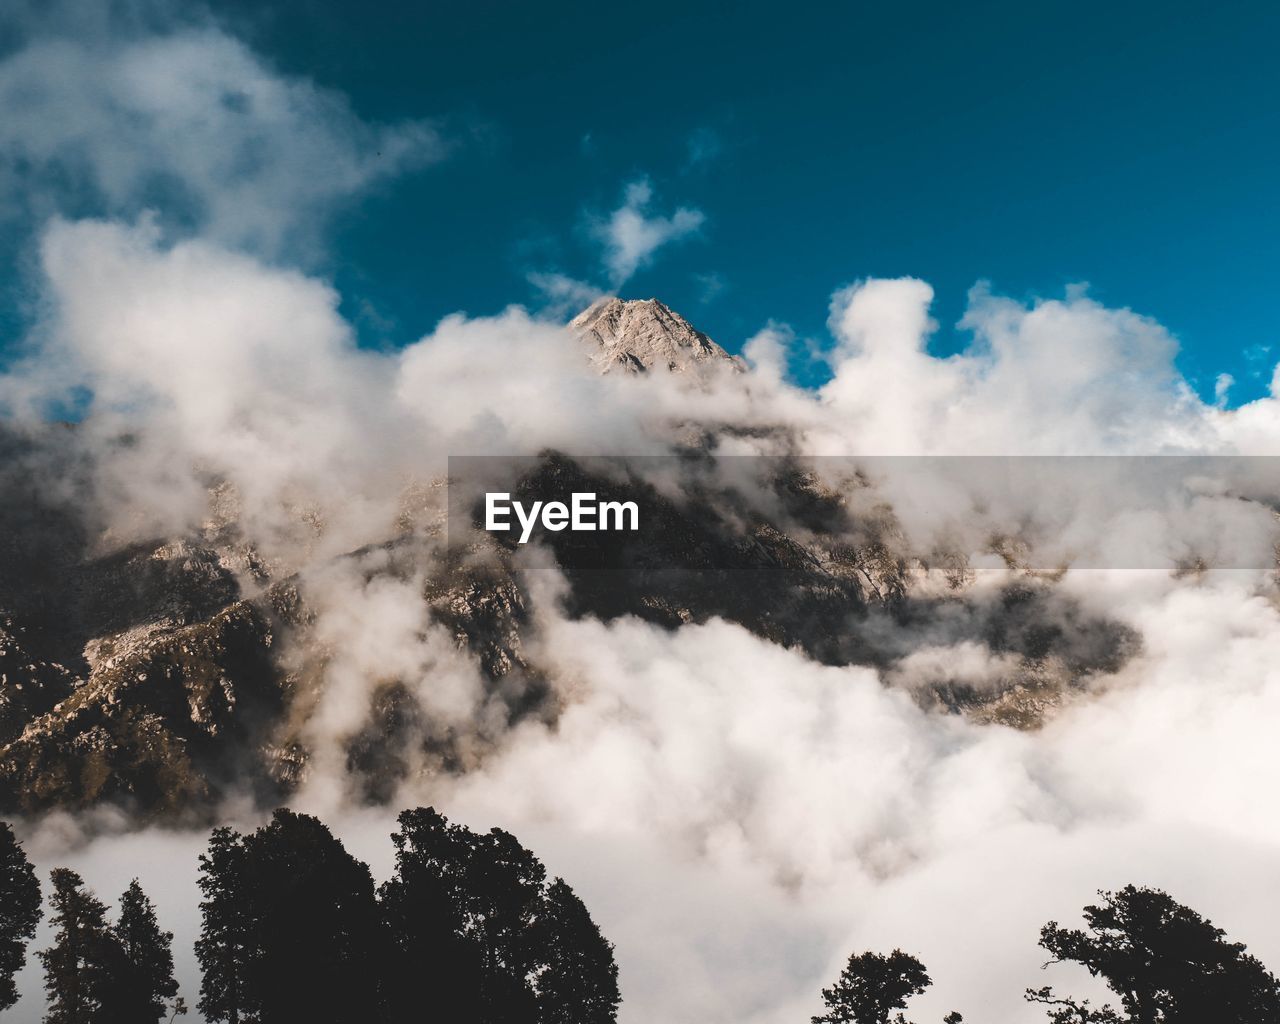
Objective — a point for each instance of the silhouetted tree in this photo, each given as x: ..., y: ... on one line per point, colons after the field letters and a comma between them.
x: 84, y: 958
x: 291, y: 924
x: 225, y: 946
x: 503, y: 898
x: 425, y: 908
x: 316, y: 927
x: 19, y: 911
x: 578, y: 982
x: 144, y: 982
x: 466, y: 929
x: 500, y: 946
x: 872, y: 986
x: 1166, y: 963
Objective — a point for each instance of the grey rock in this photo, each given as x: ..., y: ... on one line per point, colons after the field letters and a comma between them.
x: 640, y: 335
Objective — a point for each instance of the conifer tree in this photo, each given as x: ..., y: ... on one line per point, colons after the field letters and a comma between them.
x: 225, y: 947
x: 465, y: 905
x: 145, y: 983
x: 471, y: 918
x: 85, y: 957
x: 505, y: 884
x: 291, y: 928
x: 424, y: 907
x: 19, y: 912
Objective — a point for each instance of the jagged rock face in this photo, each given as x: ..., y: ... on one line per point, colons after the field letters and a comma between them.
x: 709, y: 558
x: 28, y: 684
x: 165, y: 718
x: 642, y: 334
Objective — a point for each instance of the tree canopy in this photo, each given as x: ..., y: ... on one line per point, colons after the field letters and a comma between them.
x: 503, y: 946
x: 19, y: 912
x: 1165, y: 963
x: 80, y: 966
x: 291, y: 927
x: 97, y: 972
x: 144, y: 981
x: 467, y: 928
x: 871, y: 987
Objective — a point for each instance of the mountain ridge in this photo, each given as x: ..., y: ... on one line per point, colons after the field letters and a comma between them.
x: 640, y: 335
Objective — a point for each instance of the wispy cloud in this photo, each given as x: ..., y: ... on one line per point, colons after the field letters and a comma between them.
x: 563, y: 295
x: 193, y: 123
x: 702, y: 147
x: 711, y: 286
x: 633, y: 234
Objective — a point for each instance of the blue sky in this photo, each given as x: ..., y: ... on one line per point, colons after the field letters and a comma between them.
x: 1129, y: 146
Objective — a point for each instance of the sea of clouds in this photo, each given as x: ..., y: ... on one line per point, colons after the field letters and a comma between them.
x: 738, y: 817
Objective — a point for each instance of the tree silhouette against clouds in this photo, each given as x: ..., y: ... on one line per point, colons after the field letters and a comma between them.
x: 144, y: 982
x: 872, y: 986
x: 578, y: 980
x: 424, y: 910
x: 85, y: 958
x: 291, y: 927
x: 466, y: 929
x: 99, y: 973
x: 19, y: 912
x: 225, y: 946
x: 316, y: 925
x: 473, y: 901
x: 1165, y: 963
x: 470, y: 919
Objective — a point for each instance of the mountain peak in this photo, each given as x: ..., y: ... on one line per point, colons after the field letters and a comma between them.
x: 640, y: 334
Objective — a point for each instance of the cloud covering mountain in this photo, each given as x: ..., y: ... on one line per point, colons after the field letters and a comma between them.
x: 741, y: 812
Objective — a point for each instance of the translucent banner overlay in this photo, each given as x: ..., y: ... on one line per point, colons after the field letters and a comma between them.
x: 838, y: 514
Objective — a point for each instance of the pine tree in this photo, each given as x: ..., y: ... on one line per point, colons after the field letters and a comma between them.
x: 142, y: 988
x: 225, y: 947
x: 84, y: 958
x: 578, y: 981
x: 19, y: 912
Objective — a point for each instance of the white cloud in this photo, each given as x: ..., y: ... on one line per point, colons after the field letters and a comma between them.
x: 632, y: 234
x: 192, y: 123
x: 1066, y: 376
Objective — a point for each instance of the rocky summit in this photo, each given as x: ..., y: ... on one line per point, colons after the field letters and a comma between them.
x: 639, y: 335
